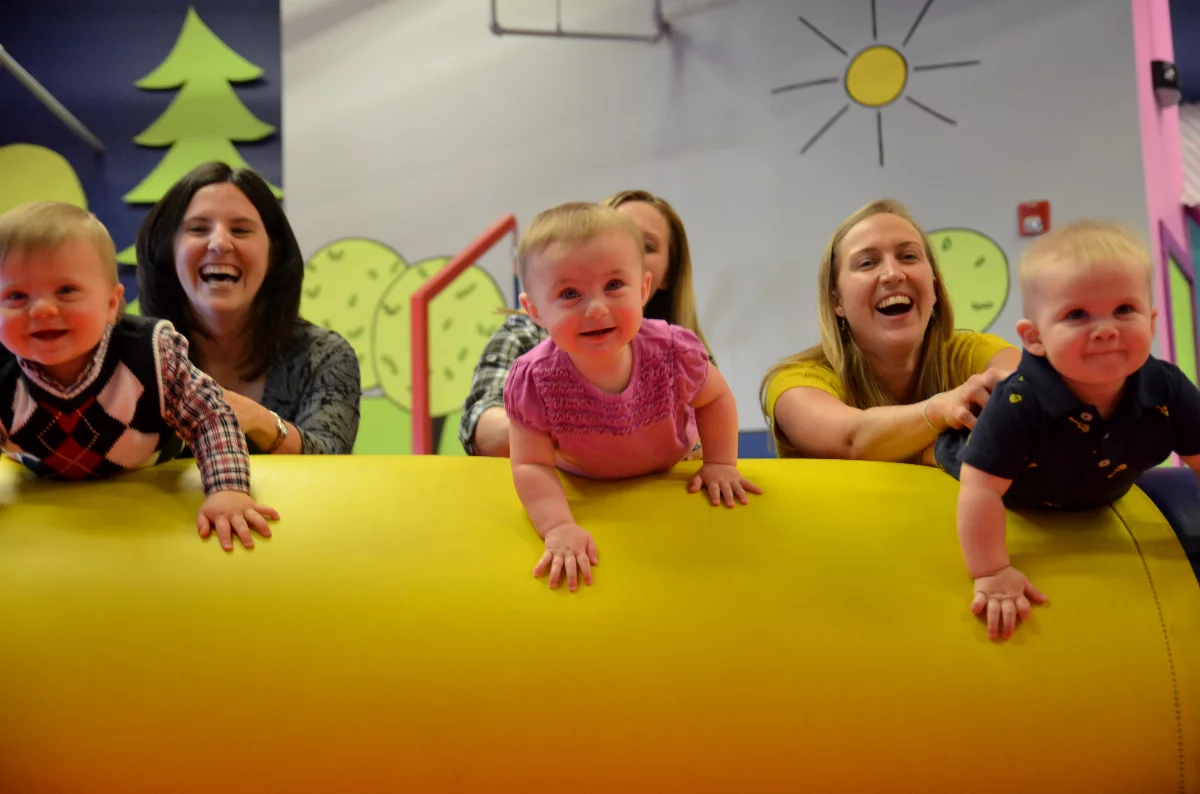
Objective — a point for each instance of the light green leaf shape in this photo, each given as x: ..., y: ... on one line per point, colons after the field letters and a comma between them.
x: 181, y: 158
x: 127, y: 256
x: 461, y: 320
x: 205, y: 109
x: 343, y: 284
x: 975, y: 269
x: 198, y: 53
x: 1183, y: 319
x: 204, y: 120
x: 35, y: 173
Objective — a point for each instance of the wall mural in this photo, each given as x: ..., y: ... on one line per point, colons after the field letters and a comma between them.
x: 35, y: 173
x: 876, y: 76
x: 976, y: 272
x: 361, y: 289
x: 204, y: 119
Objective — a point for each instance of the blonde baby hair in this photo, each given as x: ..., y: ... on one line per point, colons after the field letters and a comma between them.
x: 47, y: 225
x: 572, y: 223
x: 1080, y: 245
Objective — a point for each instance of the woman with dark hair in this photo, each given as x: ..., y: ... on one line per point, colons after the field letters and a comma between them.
x: 217, y: 257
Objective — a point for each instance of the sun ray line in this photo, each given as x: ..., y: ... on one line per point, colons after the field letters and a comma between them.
x: 920, y: 16
x: 805, y: 84
x: 948, y: 65
x: 825, y: 128
x: 874, y: 26
x: 931, y: 111
x: 828, y: 40
x: 879, y: 129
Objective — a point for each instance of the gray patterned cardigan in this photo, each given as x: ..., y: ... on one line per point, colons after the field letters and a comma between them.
x: 315, y: 384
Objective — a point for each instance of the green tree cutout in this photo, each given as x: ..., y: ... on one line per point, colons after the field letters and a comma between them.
x: 206, y: 117
x: 461, y: 321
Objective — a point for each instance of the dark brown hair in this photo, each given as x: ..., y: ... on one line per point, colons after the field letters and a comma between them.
x: 275, y: 311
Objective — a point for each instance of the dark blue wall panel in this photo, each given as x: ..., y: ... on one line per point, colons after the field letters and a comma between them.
x: 88, y: 53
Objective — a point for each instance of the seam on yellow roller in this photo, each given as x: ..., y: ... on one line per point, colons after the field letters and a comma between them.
x: 1177, y: 599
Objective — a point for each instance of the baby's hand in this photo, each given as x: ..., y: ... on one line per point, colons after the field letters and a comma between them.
x: 724, y: 483
x: 230, y: 512
x: 1004, y: 595
x: 572, y: 547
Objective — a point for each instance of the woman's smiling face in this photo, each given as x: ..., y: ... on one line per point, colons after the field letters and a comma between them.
x: 222, y: 252
x: 884, y: 287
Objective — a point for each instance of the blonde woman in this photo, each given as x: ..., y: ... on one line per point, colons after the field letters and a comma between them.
x: 483, y: 429
x: 890, y: 373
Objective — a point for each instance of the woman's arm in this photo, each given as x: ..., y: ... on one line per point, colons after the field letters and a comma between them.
x: 328, y: 412
x: 820, y: 425
x: 259, y: 425
x: 1006, y: 360
x: 491, y: 431
x: 483, y: 429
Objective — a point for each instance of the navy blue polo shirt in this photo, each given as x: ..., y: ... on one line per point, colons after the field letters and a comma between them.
x: 1059, y: 451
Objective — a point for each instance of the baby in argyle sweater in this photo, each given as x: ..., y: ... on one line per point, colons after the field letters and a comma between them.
x: 92, y: 394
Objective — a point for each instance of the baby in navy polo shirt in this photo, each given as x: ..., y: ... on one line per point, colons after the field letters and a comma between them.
x: 1087, y: 411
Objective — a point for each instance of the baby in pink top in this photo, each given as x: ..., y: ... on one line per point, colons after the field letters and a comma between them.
x: 648, y: 426
x: 609, y: 395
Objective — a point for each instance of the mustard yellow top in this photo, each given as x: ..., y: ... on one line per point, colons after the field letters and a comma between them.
x: 969, y: 353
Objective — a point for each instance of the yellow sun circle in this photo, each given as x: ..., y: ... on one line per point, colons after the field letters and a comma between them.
x: 876, y: 76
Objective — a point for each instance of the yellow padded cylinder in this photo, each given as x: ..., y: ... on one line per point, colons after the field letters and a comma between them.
x: 390, y: 637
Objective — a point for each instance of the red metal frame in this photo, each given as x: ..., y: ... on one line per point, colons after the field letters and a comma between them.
x: 422, y: 423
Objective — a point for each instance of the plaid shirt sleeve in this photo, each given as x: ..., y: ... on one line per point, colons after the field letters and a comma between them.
x: 194, y: 406
x: 517, y: 336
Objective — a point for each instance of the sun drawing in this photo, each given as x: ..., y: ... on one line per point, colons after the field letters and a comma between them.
x: 875, y: 77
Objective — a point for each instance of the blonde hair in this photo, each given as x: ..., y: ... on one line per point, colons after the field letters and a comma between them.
x: 572, y: 223
x: 47, y: 225
x: 1080, y: 246
x: 841, y: 353
x: 681, y: 295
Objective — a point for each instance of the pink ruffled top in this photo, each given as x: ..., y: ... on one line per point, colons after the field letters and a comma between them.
x: 648, y: 427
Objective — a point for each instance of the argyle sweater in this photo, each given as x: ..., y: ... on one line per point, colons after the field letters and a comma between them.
x: 128, y: 409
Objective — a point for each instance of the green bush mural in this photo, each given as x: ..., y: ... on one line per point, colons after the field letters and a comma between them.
x: 361, y: 289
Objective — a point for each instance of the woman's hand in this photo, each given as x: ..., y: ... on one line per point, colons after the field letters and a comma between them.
x: 257, y: 422
x: 959, y: 407
x: 254, y: 418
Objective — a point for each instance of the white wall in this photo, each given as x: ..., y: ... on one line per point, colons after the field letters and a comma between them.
x: 411, y: 123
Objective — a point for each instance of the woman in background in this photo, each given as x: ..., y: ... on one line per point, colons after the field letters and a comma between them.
x: 217, y: 257
x: 890, y: 372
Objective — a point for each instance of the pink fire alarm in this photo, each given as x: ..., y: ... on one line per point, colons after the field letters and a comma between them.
x: 1033, y: 218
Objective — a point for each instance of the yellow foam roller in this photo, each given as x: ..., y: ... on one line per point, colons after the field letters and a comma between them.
x: 390, y: 637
